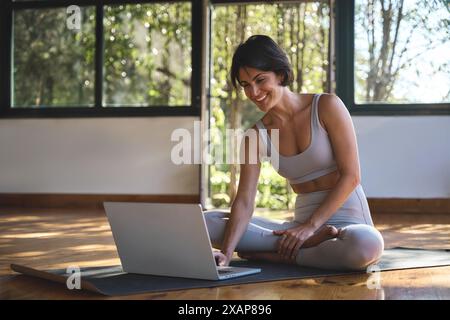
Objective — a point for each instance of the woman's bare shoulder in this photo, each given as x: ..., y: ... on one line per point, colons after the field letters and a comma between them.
x: 331, y: 109
x: 330, y: 102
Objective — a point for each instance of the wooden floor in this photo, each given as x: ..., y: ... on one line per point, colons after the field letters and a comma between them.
x: 57, y: 238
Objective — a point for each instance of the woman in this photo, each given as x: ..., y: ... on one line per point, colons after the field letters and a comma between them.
x: 317, y: 153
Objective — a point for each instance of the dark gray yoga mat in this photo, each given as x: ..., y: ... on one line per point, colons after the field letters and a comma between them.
x: 112, y: 281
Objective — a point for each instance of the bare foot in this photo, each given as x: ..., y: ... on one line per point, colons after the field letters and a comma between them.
x: 321, y: 235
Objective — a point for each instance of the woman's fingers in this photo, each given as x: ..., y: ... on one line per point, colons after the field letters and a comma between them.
x: 290, y: 247
x: 288, y: 244
x: 295, y: 249
x: 290, y: 241
x: 221, y: 259
x: 281, y: 243
x: 285, y: 245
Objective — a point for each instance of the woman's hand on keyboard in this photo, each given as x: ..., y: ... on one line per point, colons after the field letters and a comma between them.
x: 221, y: 259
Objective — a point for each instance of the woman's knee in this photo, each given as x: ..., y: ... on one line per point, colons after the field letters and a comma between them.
x: 365, y: 246
x: 216, y: 216
x: 215, y: 222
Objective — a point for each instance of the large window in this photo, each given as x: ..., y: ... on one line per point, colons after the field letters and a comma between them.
x: 112, y: 58
x: 393, y: 56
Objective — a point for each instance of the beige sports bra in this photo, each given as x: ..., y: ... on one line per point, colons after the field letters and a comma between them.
x: 316, y: 161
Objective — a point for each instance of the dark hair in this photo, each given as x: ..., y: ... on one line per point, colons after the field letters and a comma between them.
x: 261, y: 52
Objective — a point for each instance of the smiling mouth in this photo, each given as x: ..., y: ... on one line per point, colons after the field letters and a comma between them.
x: 261, y: 99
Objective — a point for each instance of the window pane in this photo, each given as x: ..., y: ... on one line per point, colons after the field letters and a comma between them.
x: 402, y: 51
x: 147, y: 55
x: 302, y: 30
x: 53, y: 53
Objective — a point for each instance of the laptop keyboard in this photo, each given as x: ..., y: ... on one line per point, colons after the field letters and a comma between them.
x: 224, y: 271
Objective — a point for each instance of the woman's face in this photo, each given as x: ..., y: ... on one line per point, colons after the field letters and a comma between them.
x: 261, y: 87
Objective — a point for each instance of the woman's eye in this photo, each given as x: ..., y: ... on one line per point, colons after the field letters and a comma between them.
x: 259, y: 80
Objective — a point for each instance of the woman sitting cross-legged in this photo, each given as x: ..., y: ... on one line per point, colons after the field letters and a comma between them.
x: 317, y: 152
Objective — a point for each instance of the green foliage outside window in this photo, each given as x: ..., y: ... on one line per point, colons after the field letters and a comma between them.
x: 53, y: 65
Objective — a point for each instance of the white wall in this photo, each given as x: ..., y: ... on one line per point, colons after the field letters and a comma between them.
x: 95, y: 155
x: 404, y: 157
x: 401, y: 157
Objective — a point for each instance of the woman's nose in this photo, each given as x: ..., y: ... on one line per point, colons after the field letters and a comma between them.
x: 254, y: 91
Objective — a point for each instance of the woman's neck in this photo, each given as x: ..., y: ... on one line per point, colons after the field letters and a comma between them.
x: 284, y: 111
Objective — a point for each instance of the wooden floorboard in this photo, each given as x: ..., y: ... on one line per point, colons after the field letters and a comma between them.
x: 56, y: 238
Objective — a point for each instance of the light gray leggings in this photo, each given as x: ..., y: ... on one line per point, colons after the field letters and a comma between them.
x: 358, y: 245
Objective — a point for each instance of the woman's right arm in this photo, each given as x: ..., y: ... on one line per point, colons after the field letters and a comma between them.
x: 243, y: 205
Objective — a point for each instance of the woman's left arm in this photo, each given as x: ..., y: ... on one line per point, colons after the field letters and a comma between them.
x: 338, y: 123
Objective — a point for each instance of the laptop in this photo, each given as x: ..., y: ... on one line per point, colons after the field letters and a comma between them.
x: 166, y: 239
